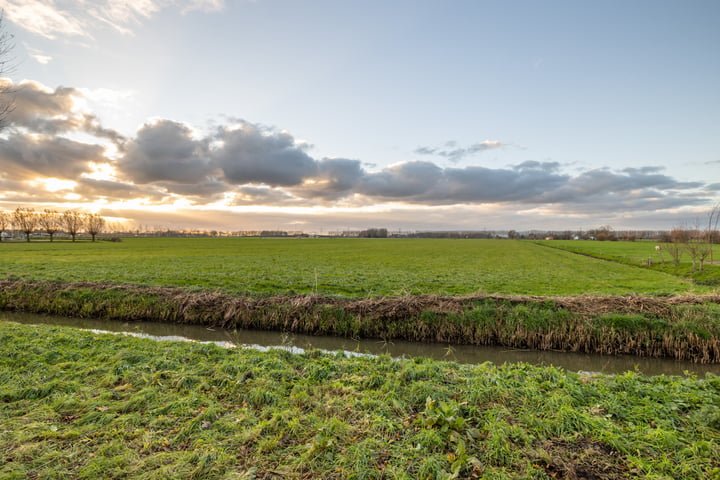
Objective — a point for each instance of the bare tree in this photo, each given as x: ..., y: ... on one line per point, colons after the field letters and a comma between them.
x: 25, y: 220
x: 6, y: 46
x: 94, y: 224
x: 49, y: 221
x: 73, y: 222
x: 697, y: 246
x: 5, y: 221
x: 712, y: 228
x: 675, y: 245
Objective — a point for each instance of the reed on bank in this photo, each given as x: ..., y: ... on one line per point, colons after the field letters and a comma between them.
x: 78, y: 405
x: 681, y: 327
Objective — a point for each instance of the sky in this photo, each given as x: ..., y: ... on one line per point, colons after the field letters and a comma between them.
x: 322, y: 115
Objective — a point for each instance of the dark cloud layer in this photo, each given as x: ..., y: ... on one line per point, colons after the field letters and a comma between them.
x: 166, y: 151
x: 242, y: 163
x: 26, y: 156
x: 51, y: 112
x: 35, y: 142
x: 252, y: 154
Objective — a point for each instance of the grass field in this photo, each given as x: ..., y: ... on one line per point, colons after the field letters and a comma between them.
x: 643, y: 254
x: 84, y: 406
x: 348, y: 267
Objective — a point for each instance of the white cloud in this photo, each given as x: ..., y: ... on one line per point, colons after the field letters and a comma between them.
x: 77, y: 18
x: 204, y: 5
x: 38, y: 55
x: 107, y: 97
x: 43, y: 18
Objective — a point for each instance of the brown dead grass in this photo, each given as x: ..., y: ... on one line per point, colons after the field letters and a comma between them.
x: 384, y: 307
x: 582, y: 459
x: 427, y: 318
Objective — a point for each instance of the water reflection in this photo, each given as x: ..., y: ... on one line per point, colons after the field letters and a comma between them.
x: 459, y: 353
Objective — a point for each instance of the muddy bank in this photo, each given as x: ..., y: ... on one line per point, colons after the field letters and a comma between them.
x: 682, y: 327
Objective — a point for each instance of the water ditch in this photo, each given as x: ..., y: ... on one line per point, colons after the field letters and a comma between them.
x: 297, y: 342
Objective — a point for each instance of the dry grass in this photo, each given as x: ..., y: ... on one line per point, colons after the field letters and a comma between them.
x: 684, y: 327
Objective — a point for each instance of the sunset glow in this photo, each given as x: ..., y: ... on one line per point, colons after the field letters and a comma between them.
x: 194, y: 114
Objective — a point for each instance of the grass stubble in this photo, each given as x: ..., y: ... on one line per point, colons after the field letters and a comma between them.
x: 78, y: 405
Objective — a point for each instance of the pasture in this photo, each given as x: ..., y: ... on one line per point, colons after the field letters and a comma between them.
x: 645, y: 254
x: 357, y: 268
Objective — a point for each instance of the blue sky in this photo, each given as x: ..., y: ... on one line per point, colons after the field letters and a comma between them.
x: 340, y: 114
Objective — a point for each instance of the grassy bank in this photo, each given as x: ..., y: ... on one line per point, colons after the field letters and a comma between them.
x: 355, y: 268
x: 686, y: 328
x: 78, y: 405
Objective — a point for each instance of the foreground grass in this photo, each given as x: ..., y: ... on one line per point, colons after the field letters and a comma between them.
x: 348, y: 267
x: 78, y: 405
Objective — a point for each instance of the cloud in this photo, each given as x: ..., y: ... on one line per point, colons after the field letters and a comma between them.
x: 452, y: 152
x: 70, y: 18
x: 42, y: 131
x: 37, y: 55
x: 260, y: 195
x: 239, y: 164
x: 43, y: 18
x: 334, y: 178
x: 27, y: 156
x: 166, y: 151
x: 208, y: 191
x: 250, y: 153
x: 92, y: 189
x: 428, y: 184
x: 596, y: 184
x: 41, y: 110
x: 411, y: 180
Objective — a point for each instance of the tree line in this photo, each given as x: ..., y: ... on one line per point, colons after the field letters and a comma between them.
x: 71, y: 222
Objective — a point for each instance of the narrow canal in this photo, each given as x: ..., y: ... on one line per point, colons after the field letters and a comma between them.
x: 459, y: 353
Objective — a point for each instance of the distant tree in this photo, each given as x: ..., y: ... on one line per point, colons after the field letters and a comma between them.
x: 5, y: 221
x: 675, y: 244
x: 49, y: 221
x: 25, y: 220
x: 605, y: 233
x: 72, y: 221
x: 94, y: 224
x: 697, y: 246
x: 512, y: 234
x: 629, y: 236
x: 374, y: 233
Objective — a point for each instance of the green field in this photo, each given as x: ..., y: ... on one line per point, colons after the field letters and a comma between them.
x: 347, y: 267
x: 643, y: 254
x: 84, y: 406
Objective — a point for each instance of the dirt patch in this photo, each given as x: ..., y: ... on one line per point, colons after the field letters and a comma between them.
x: 583, y: 459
